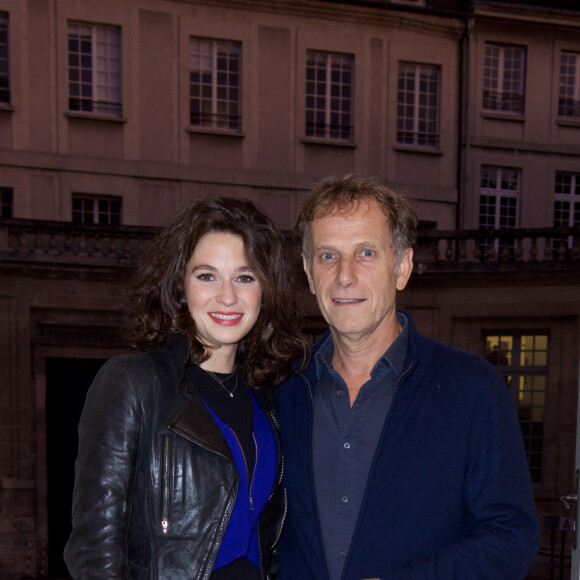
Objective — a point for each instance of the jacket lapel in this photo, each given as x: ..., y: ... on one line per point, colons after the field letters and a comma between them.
x: 196, y: 424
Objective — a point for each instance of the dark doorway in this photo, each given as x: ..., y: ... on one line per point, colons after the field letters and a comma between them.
x: 67, y: 382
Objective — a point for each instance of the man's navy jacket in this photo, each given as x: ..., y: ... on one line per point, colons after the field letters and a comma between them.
x: 449, y: 493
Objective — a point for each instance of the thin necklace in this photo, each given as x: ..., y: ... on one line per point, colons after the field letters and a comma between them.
x: 222, y: 381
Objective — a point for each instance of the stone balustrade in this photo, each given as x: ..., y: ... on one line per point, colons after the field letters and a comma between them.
x: 436, y: 250
x: 66, y: 243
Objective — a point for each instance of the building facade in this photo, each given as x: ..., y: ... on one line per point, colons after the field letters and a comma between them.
x: 113, y: 115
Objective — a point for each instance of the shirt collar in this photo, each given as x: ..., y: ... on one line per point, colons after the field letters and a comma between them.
x: 394, y: 357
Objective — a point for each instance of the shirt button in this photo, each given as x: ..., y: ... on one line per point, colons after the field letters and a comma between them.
x: 344, y: 499
x: 347, y: 445
x: 339, y: 394
x: 344, y: 552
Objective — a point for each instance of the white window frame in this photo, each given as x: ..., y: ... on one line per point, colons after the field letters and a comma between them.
x: 418, y: 104
x: 502, y: 91
x: 221, y: 108
x: 99, y: 207
x: 4, y: 59
x: 569, y: 84
x: 566, y: 193
x: 504, y: 185
x: 522, y: 358
x: 95, y: 79
x: 329, y: 96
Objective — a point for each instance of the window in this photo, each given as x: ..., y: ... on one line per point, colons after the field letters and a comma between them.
x: 569, y: 99
x: 6, y: 202
x: 503, y: 78
x: 418, y: 105
x: 566, y: 207
x: 94, y: 69
x: 498, y: 201
x: 329, y: 95
x: 498, y: 209
x: 88, y: 209
x: 522, y: 359
x: 4, y: 70
x: 214, y: 84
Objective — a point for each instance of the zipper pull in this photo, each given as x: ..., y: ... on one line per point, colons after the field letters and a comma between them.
x: 251, y: 503
x: 165, y: 525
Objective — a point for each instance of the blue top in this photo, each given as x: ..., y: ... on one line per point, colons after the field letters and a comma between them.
x: 448, y: 493
x: 241, y: 537
x: 345, y: 439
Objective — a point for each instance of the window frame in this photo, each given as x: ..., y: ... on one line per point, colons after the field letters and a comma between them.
x: 5, y: 93
x: 225, y: 113
x: 418, y: 133
x: 501, y: 194
x: 569, y: 106
x: 329, y: 96
x: 93, y: 103
x: 95, y: 201
x: 497, y: 99
x: 6, y: 202
x: 520, y: 372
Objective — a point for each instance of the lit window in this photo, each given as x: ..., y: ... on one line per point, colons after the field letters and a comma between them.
x: 6, y: 202
x: 214, y: 84
x: 88, y: 209
x: 4, y: 65
x: 418, y: 105
x: 329, y: 96
x: 522, y: 359
x: 569, y: 98
x: 503, y: 78
x: 94, y: 69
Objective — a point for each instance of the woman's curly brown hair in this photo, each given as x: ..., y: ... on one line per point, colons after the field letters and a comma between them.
x: 158, y: 303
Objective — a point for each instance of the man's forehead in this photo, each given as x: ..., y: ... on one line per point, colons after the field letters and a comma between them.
x: 352, y: 209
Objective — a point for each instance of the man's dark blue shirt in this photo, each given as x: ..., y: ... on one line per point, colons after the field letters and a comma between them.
x: 345, y: 439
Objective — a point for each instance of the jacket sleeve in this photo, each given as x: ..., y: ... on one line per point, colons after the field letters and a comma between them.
x: 109, y: 432
x: 503, y: 534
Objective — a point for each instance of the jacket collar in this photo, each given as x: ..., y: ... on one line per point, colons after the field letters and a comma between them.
x: 194, y: 421
x: 411, y: 358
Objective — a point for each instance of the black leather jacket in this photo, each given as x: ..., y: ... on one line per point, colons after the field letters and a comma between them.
x: 155, y: 480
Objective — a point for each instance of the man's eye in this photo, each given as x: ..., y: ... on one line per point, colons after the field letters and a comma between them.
x: 327, y: 256
x: 368, y: 253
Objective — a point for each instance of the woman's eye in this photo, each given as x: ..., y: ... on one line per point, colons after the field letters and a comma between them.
x: 205, y: 277
x: 246, y: 279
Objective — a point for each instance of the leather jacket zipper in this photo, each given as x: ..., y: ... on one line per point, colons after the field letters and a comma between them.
x: 246, y: 466
x: 165, y: 500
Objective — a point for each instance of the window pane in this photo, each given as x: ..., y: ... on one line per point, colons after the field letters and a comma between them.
x: 214, y: 90
x: 503, y: 78
x: 4, y: 62
x: 329, y: 90
x: 94, y: 68
x: 418, y: 104
x: 6, y: 202
x: 88, y: 209
x: 527, y: 371
x: 569, y: 88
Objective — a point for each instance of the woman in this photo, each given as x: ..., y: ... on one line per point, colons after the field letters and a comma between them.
x: 178, y: 473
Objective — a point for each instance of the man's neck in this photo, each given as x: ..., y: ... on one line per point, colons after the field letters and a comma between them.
x: 355, y: 356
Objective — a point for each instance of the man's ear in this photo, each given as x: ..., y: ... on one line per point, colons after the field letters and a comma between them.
x: 308, y: 273
x: 405, y: 268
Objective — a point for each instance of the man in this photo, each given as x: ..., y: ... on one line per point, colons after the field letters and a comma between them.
x: 404, y: 458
